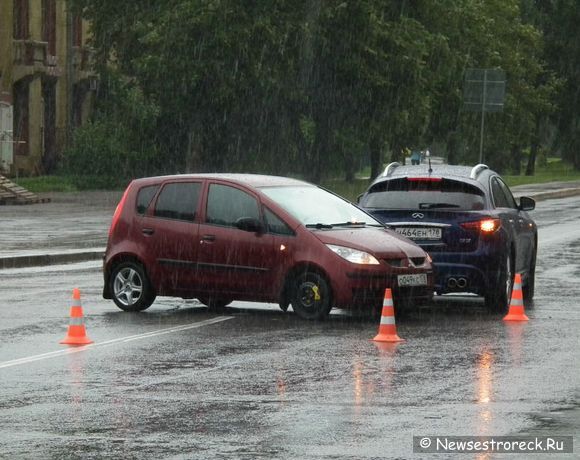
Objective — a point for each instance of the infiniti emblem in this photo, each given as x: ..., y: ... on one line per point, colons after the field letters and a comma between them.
x: 417, y: 215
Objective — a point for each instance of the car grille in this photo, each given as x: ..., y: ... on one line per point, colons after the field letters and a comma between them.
x: 417, y: 262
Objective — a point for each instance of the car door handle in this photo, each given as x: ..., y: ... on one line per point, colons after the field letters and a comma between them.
x: 208, y: 238
x: 147, y: 231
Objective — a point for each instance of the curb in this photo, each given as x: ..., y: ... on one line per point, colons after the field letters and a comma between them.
x: 39, y: 260
x: 562, y: 193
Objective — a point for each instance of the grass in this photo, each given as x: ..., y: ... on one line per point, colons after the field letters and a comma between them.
x: 43, y: 184
x: 554, y: 170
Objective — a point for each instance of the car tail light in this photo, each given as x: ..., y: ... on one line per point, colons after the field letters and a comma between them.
x: 118, y: 211
x: 483, y: 225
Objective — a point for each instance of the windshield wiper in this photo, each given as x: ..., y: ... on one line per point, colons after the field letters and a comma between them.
x: 437, y: 205
x: 318, y: 225
x: 350, y: 224
x: 340, y: 224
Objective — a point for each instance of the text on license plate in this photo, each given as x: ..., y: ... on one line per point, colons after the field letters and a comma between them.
x: 418, y: 279
x: 420, y: 233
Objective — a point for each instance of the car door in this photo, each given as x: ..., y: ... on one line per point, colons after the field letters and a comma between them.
x: 509, y: 214
x: 171, y: 228
x: 524, y: 228
x: 232, y: 260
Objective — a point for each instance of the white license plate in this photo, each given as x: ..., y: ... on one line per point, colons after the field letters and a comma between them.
x: 420, y: 233
x: 419, y: 279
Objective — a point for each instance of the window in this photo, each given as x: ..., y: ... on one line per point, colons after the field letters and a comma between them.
x: 511, y: 202
x: 21, y: 15
x: 423, y: 195
x: 21, y: 116
x: 77, y: 30
x: 178, y: 201
x: 499, y: 198
x: 49, y: 25
x: 144, y: 198
x: 276, y: 225
x: 225, y: 205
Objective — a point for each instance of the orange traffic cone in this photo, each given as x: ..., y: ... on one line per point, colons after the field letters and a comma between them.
x: 76, y: 334
x: 387, y: 328
x: 516, y: 311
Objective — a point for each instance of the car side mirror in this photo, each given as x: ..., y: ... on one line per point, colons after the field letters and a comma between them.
x: 527, y: 204
x: 249, y: 224
x: 358, y: 198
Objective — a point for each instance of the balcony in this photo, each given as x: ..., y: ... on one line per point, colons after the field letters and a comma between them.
x: 35, y: 58
x: 30, y: 52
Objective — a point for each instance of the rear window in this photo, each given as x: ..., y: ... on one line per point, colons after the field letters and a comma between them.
x: 144, y: 198
x: 422, y: 195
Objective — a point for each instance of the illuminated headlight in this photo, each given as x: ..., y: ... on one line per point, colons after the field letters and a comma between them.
x: 353, y: 255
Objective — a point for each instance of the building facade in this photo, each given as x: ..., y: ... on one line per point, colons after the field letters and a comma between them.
x: 47, y: 81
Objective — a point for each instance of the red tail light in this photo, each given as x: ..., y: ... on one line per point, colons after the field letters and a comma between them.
x: 118, y: 211
x: 483, y: 225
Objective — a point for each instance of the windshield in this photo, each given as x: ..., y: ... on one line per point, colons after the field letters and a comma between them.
x: 316, y: 207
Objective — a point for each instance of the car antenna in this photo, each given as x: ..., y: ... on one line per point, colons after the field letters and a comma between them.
x: 428, y: 155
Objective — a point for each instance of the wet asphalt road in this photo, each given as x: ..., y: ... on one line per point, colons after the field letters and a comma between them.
x: 252, y: 382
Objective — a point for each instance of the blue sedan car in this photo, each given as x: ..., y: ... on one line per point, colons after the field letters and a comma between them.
x: 467, y: 219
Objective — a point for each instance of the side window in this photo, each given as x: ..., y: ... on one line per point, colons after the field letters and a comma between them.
x: 499, y: 198
x: 511, y: 202
x: 225, y: 205
x: 276, y: 225
x: 144, y: 198
x: 178, y: 201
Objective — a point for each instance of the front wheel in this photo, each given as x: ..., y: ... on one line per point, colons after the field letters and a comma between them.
x: 498, y: 297
x: 131, y: 288
x: 311, y: 297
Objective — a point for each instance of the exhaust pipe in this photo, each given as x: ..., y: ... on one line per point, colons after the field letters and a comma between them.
x: 461, y: 283
x: 451, y: 283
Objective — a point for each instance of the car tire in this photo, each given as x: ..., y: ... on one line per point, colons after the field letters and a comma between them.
x: 499, y: 292
x: 529, y: 288
x: 131, y: 289
x: 215, y: 303
x: 311, y: 296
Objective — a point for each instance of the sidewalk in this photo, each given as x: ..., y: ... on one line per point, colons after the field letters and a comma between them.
x: 73, y: 227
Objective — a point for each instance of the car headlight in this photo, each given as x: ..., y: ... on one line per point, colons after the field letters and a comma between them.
x: 353, y: 255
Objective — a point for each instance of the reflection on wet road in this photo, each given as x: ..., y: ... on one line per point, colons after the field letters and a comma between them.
x: 178, y: 381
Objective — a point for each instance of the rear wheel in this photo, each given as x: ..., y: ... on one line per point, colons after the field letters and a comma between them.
x: 131, y: 288
x: 499, y: 293
x: 311, y: 298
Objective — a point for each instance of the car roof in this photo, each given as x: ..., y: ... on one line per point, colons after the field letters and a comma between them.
x: 252, y: 180
x: 470, y: 174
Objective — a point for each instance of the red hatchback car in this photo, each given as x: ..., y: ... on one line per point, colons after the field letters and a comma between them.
x: 225, y: 237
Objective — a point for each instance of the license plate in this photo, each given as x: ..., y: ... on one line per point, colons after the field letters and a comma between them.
x: 420, y: 233
x: 418, y: 279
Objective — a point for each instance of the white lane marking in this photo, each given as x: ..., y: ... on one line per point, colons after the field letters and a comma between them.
x: 146, y: 335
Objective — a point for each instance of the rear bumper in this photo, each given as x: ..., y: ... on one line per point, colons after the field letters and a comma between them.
x: 459, y: 272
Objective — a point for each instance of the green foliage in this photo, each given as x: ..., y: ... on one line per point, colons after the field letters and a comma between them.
x: 119, y: 141
x: 308, y: 87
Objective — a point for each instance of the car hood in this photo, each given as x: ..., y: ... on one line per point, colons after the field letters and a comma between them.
x: 378, y: 241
